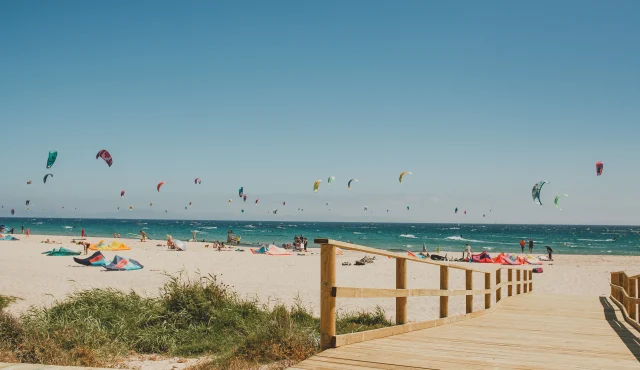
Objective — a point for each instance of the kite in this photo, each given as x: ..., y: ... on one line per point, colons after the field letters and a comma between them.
x: 404, y: 173
x: 240, y: 191
x: 106, y: 156
x: 13, y: 211
x: 52, y: 158
x: 96, y: 259
x: 349, y: 183
x: 185, y: 207
x: 190, y: 203
x: 316, y: 185
x: 29, y: 182
x: 197, y: 181
x: 455, y: 210
x: 130, y: 208
x: 366, y: 208
x: 558, y: 199
x: 160, y: 185
x: 535, y: 192
x: 408, y: 208
x: 243, y: 211
x: 257, y: 200
x: 44, y: 180
x: 244, y: 198
x: 284, y: 203
x: 123, y: 264
x: 465, y: 212
x: 27, y: 202
x: 122, y: 194
x: 599, y: 168
x: 230, y: 201
x: 331, y: 179
x: 151, y: 204
x: 275, y: 212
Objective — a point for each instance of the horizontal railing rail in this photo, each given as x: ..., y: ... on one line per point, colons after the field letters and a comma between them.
x: 624, y: 293
x: 523, y: 283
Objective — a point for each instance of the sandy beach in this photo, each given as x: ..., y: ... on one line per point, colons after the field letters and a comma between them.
x: 39, y: 280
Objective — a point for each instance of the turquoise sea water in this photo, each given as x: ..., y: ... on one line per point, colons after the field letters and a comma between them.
x: 568, y: 239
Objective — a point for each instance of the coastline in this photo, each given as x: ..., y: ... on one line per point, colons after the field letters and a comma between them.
x: 37, y: 280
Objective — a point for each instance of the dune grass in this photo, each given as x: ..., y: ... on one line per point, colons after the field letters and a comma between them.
x: 191, y: 318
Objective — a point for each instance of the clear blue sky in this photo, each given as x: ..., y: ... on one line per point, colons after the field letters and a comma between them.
x: 479, y: 100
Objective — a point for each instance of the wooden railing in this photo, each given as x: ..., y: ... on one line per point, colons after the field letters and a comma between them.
x: 329, y: 292
x: 624, y: 293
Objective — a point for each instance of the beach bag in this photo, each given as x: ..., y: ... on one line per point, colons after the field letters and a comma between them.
x: 537, y: 270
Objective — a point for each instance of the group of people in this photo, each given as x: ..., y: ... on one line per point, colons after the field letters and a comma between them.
x: 531, y: 244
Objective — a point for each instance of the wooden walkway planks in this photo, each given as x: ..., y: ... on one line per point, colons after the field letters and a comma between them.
x: 526, y: 332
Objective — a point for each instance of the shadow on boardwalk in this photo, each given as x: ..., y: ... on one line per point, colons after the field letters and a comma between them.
x: 627, y: 336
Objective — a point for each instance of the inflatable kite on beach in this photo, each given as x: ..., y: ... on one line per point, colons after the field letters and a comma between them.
x: 535, y: 192
x: 52, y: 158
x: 106, y: 156
x: 330, y: 179
x: 197, y: 181
x: 96, y: 259
x: 599, y: 168
x: 349, y: 183
x: 114, y: 246
x: 160, y: 185
x: 44, y: 180
x: 62, y: 251
x: 558, y: 198
x: 316, y: 185
x: 123, y: 264
x: 404, y: 173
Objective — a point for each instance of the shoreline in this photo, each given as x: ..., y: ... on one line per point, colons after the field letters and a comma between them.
x: 39, y: 280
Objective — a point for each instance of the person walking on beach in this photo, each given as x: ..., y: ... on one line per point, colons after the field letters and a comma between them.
x: 530, y: 245
x: 143, y: 236
x: 28, y: 232
x: 522, y: 245
x: 22, y: 231
x: 549, y: 252
x: 82, y: 233
x: 467, y: 252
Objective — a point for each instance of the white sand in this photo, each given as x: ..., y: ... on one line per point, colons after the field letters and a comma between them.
x: 39, y: 280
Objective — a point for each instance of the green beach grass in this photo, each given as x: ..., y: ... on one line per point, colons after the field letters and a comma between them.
x: 200, y: 317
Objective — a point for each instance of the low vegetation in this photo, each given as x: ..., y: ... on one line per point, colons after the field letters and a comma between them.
x: 190, y: 318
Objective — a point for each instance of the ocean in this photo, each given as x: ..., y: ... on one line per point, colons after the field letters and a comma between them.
x: 566, y: 239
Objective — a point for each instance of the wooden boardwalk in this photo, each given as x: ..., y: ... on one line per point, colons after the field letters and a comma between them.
x: 525, y: 332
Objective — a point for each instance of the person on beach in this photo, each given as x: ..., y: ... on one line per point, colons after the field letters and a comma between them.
x: 143, y: 236
x: 22, y: 231
x: 424, y: 247
x: 83, y: 234
x: 438, y: 249
x: 28, y: 232
x: 549, y: 252
x: 467, y: 252
x: 530, y: 245
x: 12, y: 231
x: 305, y: 244
x: 194, y: 236
x: 170, y: 243
x: 115, y: 235
x: 522, y: 245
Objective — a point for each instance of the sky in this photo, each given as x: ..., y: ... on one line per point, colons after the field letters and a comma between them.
x: 479, y: 100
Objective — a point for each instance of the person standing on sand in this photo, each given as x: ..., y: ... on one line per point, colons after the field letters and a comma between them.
x: 424, y: 247
x: 143, y: 236
x: 530, y: 245
x: 522, y: 245
x: 549, y: 252
x: 467, y: 252
x: 22, y: 231
x: 28, y: 232
x: 83, y: 234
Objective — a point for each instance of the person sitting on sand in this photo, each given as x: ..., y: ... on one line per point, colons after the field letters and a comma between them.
x: 170, y: 243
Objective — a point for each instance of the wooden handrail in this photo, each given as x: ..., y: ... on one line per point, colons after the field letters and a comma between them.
x: 624, y: 293
x: 329, y: 292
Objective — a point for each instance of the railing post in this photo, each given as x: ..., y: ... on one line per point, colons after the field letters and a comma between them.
x: 469, y: 286
x: 530, y: 280
x: 487, y: 285
x: 444, y: 285
x: 626, y: 290
x: 632, y: 294
x: 613, y: 282
x: 401, y: 283
x: 525, y: 280
x: 518, y: 283
x: 509, y: 280
x: 327, y: 300
x: 498, y: 282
